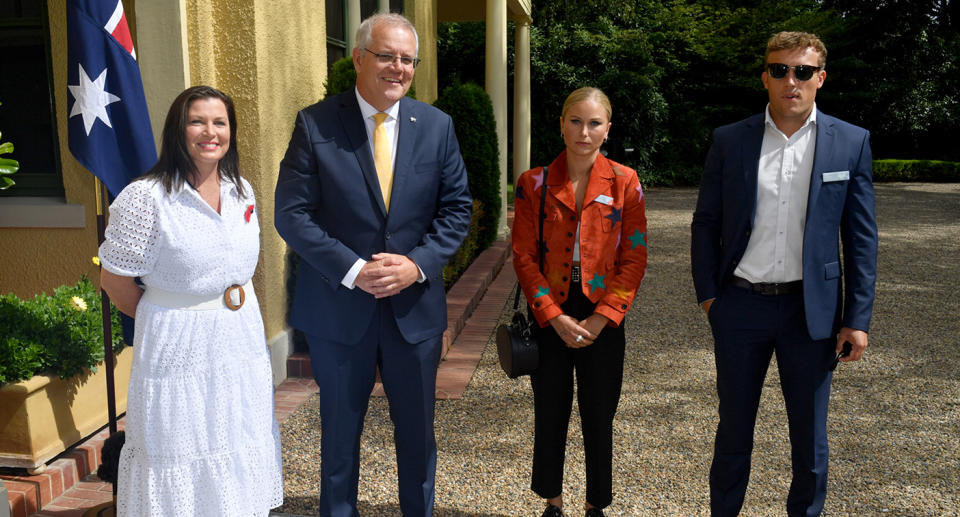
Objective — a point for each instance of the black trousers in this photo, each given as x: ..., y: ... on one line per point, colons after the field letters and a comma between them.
x: 599, y: 376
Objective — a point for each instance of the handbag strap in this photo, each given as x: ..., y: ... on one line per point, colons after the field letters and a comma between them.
x: 541, y: 246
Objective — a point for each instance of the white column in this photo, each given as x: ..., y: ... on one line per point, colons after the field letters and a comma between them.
x: 496, y: 86
x: 521, y: 102
x: 383, y: 6
x: 353, y: 23
x: 163, y: 55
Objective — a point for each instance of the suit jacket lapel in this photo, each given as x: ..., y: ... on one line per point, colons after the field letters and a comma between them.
x: 353, y: 125
x: 558, y: 180
x: 823, y: 150
x: 752, y: 142
x: 407, y: 127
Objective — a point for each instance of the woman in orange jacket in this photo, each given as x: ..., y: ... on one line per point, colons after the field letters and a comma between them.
x: 594, y: 259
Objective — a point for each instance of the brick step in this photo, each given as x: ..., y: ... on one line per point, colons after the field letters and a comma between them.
x: 28, y: 494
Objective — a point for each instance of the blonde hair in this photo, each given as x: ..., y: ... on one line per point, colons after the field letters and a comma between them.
x: 588, y: 93
x: 787, y: 40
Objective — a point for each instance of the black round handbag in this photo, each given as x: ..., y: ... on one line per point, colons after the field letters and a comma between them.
x: 516, y: 346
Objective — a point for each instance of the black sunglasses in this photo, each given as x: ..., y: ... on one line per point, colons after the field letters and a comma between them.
x: 801, y: 72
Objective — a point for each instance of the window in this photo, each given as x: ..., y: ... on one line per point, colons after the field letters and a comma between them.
x: 27, y: 116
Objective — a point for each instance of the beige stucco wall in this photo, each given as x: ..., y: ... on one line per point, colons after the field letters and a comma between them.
x: 40, y: 259
x: 270, y: 57
x: 423, y: 14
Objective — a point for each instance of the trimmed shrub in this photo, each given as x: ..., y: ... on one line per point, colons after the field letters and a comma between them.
x: 476, y: 129
x: 60, y: 334
x: 341, y: 78
x: 461, y: 260
x: 916, y: 170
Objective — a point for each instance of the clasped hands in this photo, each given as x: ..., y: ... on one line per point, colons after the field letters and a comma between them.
x: 570, y: 329
x: 387, y: 274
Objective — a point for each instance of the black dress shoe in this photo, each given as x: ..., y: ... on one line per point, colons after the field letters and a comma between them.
x: 552, y: 511
x: 594, y: 512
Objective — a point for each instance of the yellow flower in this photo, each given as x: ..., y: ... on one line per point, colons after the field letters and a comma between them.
x: 78, y: 303
x: 96, y: 260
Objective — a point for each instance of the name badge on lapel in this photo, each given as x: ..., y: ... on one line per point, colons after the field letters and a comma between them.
x: 836, y: 176
x: 607, y: 200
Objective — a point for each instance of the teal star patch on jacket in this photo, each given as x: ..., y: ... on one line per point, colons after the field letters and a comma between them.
x: 542, y: 291
x: 638, y: 239
x: 596, y: 282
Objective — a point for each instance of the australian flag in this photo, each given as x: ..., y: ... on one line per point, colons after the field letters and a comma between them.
x: 109, y: 126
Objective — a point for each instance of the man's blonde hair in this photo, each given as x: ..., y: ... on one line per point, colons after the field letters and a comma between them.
x: 787, y: 40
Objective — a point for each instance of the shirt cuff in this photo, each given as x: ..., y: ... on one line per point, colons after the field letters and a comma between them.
x: 350, y: 279
x: 423, y: 277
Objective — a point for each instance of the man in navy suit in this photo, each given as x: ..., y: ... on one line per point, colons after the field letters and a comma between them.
x: 779, y: 190
x: 372, y: 195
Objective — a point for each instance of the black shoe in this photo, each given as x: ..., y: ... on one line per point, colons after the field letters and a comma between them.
x: 552, y: 511
x: 594, y: 512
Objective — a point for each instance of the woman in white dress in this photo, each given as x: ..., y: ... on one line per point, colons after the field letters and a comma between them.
x: 201, y: 439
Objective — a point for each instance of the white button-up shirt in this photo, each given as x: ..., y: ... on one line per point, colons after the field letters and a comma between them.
x: 775, y: 250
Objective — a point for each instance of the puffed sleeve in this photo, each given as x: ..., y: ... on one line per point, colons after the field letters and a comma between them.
x: 133, y: 235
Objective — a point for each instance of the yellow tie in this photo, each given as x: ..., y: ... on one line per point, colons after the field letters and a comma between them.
x: 382, y: 159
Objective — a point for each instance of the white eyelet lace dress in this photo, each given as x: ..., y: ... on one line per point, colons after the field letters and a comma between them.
x: 201, y: 439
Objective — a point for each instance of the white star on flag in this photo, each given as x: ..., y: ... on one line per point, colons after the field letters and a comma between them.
x: 91, y: 99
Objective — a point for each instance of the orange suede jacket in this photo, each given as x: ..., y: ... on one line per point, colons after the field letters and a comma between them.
x: 613, y: 238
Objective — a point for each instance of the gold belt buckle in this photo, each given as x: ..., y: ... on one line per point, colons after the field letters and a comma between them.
x: 228, y: 299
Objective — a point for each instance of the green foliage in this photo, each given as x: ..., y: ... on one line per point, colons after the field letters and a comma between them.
x: 675, y: 70
x: 342, y: 77
x: 53, y: 334
x: 7, y: 166
x: 476, y: 129
x: 467, y: 251
x: 916, y: 170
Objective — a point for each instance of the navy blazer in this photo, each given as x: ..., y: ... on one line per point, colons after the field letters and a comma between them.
x: 727, y: 204
x: 330, y: 210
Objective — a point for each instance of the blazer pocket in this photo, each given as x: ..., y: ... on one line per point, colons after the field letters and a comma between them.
x: 831, y: 270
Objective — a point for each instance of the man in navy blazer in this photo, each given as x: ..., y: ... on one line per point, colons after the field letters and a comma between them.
x: 779, y: 191
x: 372, y: 195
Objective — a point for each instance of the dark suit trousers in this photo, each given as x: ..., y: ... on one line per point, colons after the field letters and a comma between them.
x: 748, y: 329
x: 599, y: 375
x: 345, y: 374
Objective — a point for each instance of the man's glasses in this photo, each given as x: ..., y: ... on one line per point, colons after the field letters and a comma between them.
x: 801, y: 72
x: 388, y: 59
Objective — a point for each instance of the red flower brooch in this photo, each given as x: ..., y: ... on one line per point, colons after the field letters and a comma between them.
x: 248, y: 213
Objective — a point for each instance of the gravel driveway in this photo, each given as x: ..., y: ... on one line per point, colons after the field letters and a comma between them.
x: 894, y: 418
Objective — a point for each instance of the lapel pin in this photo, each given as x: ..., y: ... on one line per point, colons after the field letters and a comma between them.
x: 413, y: 119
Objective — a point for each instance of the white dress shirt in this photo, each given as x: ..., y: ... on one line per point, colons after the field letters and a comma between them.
x: 390, y: 125
x: 774, y: 252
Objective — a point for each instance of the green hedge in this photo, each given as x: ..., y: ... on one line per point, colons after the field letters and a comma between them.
x: 55, y: 334
x: 342, y: 77
x: 916, y: 170
x: 467, y: 251
x: 476, y: 129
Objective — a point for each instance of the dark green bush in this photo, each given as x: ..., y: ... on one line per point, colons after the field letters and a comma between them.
x: 53, y: 334
x: 342, y: 77
x: 916, y: 170
x: 461, y: 260
x: 472, y: 114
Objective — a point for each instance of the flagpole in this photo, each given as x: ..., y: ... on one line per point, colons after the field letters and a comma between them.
x: 105, y: 311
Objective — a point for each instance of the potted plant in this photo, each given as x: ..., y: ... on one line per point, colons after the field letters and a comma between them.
x: 52, y: 385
